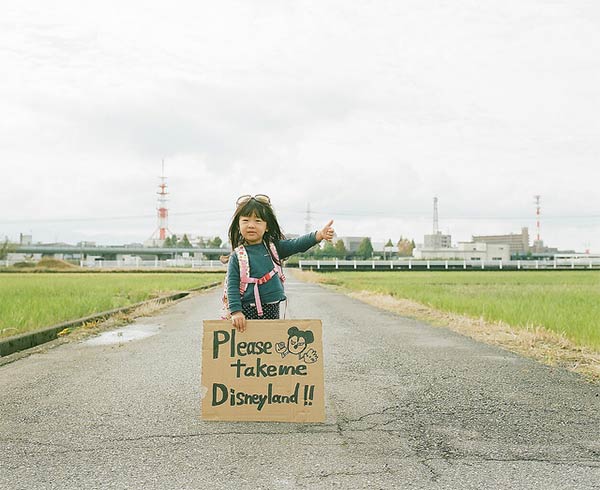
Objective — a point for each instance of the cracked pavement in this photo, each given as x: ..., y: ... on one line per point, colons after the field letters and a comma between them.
x: 408, y: 406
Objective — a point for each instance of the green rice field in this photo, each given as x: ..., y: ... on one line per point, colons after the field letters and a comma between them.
x: 565, y: 302
x: 32, y: 301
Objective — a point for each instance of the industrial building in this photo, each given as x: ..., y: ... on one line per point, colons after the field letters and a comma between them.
x: 438, y: 240
x: 465, y: 251
x: 518, y: 242
x: 439, y: 246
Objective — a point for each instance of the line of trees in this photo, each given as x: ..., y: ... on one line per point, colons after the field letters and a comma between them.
x: 404, y: 248
x: 173, y: 242
x: 184, y: 242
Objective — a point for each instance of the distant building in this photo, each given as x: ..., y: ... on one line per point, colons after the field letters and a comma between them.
x: 25, y: 239
x: 200, y: 240
x: 378, y: 246
x: 154, y: 243
x: 432, y: 244
x: 437, y: 240
x: 538, y: 248
x: 86, y: 244
x: 518, y: 242
x: 465, y: 251
x: 436, y: 244
x: 351, y: 242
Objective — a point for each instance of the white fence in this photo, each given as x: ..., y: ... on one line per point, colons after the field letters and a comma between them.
x: 137, y: 263
x: 398, y: 264
x: 412, y: 264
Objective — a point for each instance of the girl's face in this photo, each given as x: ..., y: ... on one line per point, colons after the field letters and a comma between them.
x: 252, y: 229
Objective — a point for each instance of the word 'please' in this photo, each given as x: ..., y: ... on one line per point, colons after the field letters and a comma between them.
x: 238, y: 349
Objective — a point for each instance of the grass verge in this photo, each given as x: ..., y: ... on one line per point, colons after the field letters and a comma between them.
x: 32, y: 301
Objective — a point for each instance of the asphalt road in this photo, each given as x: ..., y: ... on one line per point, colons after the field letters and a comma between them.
x: 408, y: 406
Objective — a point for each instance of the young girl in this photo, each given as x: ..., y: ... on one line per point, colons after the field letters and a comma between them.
x: 255, y: 226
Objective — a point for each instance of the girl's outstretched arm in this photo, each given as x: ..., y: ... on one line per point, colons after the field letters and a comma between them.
x: 303, y: 243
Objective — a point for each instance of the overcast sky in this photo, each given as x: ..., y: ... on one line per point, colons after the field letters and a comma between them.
x: 364, y: 109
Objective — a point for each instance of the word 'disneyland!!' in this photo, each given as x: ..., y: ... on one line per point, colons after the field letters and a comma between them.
x: 222, y: 394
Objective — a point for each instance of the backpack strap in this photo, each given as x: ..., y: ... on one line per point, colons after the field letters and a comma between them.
x: 225, y: 315
x: 275, y: 256
x: 244, y: 274
x: 242, y: 256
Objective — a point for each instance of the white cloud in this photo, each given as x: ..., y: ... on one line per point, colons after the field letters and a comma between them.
x: 364, y: 110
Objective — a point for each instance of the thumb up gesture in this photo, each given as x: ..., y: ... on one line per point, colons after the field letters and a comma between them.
x: 326, y: 233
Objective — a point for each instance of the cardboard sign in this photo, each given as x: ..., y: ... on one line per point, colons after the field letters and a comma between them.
x: 271, y: 371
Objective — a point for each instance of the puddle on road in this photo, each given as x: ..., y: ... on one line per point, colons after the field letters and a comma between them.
x: 125, y: 334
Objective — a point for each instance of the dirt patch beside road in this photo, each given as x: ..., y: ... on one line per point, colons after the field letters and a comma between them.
x: 537, y: 343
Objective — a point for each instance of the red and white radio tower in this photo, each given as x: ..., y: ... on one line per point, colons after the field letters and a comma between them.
x: 163, y: 212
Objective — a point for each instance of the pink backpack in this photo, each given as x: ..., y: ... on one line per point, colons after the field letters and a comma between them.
x: 245, y: 278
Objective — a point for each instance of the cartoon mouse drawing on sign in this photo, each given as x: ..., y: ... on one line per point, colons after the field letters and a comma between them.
x: 296, y: 344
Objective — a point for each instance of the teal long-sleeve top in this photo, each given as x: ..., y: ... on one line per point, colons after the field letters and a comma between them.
x: 260, y: 262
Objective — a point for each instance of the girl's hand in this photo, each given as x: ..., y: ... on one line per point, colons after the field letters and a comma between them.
x: 238, y: 320
x: 326, y: 233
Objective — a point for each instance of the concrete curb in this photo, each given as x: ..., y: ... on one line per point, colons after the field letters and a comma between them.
x: 28, y: 340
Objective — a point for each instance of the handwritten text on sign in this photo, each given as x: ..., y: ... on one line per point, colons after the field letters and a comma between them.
x: 272, y: 371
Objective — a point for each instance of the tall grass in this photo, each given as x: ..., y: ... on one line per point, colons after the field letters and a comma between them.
x: 32, y: 301
x: 565, y: 302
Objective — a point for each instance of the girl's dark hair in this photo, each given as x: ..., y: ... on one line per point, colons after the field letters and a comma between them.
x: 264, y: 212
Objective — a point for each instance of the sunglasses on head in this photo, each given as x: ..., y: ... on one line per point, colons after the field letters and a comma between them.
x: 261, y: 198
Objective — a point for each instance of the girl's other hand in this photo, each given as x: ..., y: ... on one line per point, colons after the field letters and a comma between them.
x: 238, y: 320
x: 326, y: 233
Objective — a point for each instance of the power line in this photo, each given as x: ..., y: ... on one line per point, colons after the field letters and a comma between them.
x: 332, y: 214
x: 108, y: 218
x: 426, y: 215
